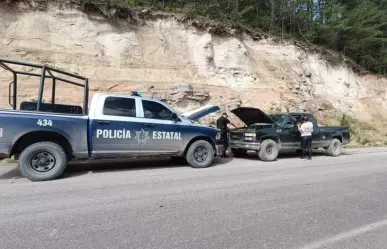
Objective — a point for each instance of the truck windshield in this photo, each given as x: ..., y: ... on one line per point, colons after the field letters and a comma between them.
x: 279, y: 119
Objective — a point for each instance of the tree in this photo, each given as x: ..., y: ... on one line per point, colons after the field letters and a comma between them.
x: 356, y: 28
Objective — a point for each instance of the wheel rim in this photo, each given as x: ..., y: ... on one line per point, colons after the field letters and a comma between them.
x: 43, y: 161
x: 336, y: 147
x: 269, y: 150
x: 200, y: 154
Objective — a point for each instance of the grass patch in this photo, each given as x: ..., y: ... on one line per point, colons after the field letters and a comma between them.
x: 362, y: 133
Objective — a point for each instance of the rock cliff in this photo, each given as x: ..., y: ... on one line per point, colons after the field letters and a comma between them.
x: 185, y: 66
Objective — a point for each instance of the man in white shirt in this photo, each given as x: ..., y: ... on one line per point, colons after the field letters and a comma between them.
x: 306, y: 130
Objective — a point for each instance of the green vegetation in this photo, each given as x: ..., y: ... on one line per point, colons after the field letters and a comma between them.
x: 362, y: 133
x: 355, y: 28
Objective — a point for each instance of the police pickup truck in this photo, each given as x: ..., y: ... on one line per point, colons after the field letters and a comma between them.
x: 44, y: 137
x: 269, y: 134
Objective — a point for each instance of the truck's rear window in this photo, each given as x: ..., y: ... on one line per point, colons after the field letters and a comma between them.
x: 116, y: 106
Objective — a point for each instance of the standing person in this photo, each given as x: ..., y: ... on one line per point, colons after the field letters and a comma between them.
x: 221, y: 123
x: 306, y: 129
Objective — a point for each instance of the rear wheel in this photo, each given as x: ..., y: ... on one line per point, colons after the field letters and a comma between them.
x: 269, y: 150
x: 334, y: 148
x: 200, y: 154
x: 42, y: 161
x: 239, y: 152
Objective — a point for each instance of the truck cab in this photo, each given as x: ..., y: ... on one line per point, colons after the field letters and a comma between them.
x: 124, y: 125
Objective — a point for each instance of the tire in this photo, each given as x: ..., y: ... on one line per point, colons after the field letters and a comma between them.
x: 200, y: 154
x: 269, y: 150
x: 334, y: 148
x: 239, y: 152
x: 51, y: 153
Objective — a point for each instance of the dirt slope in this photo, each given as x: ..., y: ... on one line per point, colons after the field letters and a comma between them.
x: 188, y: 67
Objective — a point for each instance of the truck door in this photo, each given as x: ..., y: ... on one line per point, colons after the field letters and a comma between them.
x: 114, y: 127
x: 316, y: 136
x: 292, y: 137
x: 160, y: 134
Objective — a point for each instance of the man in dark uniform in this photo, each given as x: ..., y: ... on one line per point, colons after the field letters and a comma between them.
x: 221, y: 124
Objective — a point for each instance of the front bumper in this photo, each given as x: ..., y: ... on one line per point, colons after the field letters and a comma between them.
x: 219, y: 149
x: 245, y: 145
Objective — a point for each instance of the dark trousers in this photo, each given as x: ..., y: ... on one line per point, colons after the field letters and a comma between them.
x: 306, y: 143
x: 225, y: 140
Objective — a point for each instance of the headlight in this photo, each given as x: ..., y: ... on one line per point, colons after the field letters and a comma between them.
x: 250, y: 136
x: 218, y: 136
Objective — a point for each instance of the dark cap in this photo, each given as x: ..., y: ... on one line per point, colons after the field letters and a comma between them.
x: 224, y: 114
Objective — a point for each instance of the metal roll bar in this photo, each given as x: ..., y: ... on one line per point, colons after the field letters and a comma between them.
x: 46, y: 73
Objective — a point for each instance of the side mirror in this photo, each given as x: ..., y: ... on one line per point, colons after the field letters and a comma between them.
x: 289, y: 126
x: 174, y: 117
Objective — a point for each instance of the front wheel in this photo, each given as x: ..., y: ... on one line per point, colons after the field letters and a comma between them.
x: 269, y: 150
x: 42, y: 161
x: 200, y: 154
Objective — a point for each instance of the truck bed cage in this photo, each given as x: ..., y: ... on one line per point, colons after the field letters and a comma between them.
x: 46, y: 72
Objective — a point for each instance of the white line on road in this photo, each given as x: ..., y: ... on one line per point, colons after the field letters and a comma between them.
x: 346, y: 235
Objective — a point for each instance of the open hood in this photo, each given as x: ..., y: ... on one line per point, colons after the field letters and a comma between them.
x: 201, y: 112
x: 251, y: 116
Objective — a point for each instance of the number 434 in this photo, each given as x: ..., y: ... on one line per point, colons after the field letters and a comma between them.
x: 44, y: 122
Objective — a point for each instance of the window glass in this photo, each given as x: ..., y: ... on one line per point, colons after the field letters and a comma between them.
x: 155, y: 110
x: 278, y: 118
x: 294, y: 119
x: 116, y: 106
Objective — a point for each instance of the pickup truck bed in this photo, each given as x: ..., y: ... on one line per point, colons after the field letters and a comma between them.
x: 54, y: 108
x: 23, y: 128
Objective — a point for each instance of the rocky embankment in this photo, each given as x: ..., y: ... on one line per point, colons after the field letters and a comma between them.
x: 187, y: 67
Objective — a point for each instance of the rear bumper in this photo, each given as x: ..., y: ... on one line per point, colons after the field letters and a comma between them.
x: 346, y: 140
x: 245, y: 145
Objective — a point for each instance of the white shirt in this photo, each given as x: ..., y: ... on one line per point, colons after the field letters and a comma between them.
x: 306, y: 129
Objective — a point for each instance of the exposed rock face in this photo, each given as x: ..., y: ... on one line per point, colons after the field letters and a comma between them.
x: 182, y: 96
x: 181, y: 65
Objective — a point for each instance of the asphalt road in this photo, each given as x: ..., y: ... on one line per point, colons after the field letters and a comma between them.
x: 239, y: 203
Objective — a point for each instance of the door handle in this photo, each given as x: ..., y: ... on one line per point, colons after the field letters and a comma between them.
x: 103, y: 122
x: 150, y: 125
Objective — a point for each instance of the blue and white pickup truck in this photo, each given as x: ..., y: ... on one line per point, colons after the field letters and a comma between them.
x: 116, y: 126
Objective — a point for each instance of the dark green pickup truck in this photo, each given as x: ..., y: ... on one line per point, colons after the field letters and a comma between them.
x: 269, y: 134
